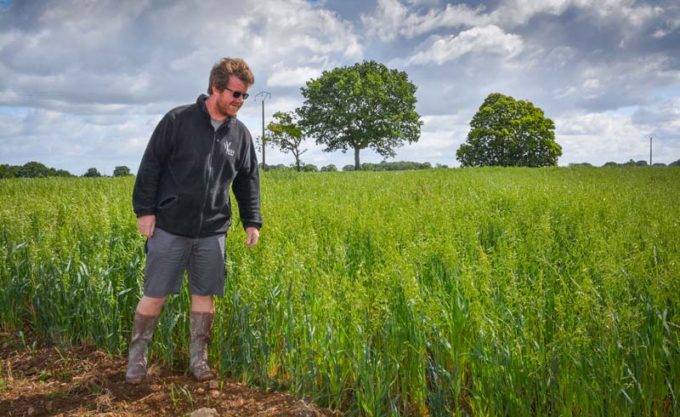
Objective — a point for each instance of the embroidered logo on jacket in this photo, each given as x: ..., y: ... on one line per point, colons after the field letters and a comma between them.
x: 227, y: 148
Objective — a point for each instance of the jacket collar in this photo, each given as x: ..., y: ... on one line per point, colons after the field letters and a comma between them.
x: 200, y: 102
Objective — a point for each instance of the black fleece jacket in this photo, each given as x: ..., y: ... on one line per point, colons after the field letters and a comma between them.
x: 187, y: 169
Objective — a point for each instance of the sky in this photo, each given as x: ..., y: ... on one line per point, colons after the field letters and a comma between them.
x: 83, y: 83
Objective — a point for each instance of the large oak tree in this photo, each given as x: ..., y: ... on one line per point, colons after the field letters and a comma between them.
x: 363, y: 106
x: 509, y: 132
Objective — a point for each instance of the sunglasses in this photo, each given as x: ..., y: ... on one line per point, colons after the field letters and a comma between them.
x: 237, y: 94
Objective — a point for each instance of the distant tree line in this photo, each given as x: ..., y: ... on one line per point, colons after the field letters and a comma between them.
x: 35, y: 169
x: 31, y: 170
x: 366, y: 166
x: 630, y: 163
x: 392, y: 166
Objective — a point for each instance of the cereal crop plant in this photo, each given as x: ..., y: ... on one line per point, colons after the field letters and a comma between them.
x: 499, y: 292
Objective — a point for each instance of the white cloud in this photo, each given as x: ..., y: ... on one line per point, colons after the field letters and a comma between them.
x: 560, y: 56
x: 128, y: 62
x: 441, y: 136
x: 437, y: 147
x: 446, y: 122
x: 592, y: 88
x: 74, y: 142
x: 292, y: 77
x: 615, y: 84
x: 392, y: 19
x: 608, y: 136
x: 93, y: 47
x: 664, y: 114
x: 296, y: 27
x: 487, y: 39
x: 513, y: 13
x: 73, y: 101
x: 660, y: 33
x: 387, y: 20
x: 10, y: 125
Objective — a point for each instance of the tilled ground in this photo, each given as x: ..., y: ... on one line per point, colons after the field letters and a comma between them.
x: 81, y: 381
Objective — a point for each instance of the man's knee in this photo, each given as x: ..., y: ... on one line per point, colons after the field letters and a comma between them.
x: 151, y: 306
x: 202, y: 304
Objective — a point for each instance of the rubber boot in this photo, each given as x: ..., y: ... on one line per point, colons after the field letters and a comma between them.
x: 139, y: 347
x: 201, y: 324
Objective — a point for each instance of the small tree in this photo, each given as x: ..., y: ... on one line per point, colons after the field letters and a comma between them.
x: 363, y: 106
x: 286, y: 135
x: 509, y: 132
x: 92, y: 172
x: 121, y: 171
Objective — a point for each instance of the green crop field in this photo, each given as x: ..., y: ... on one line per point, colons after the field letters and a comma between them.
x: 483, y: 292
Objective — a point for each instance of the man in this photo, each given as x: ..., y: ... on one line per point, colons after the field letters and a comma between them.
x: 181, y: 199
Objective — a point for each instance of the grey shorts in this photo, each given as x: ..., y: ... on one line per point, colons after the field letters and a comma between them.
x: 169, y: 255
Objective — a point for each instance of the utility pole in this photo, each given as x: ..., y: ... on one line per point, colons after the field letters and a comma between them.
x: 263, y: 95
x: 650, y: 150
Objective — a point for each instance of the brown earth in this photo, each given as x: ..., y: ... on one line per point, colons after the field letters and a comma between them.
x: 83, y: 381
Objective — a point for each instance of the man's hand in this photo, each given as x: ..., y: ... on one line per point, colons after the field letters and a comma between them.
x: 146, y: 225
x: 252, y: 236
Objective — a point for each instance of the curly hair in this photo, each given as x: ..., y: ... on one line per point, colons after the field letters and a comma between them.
x: 225, y: 68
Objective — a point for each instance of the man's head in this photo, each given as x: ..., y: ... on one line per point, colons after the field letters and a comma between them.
x: 229, y: 82
x: 226, y: 68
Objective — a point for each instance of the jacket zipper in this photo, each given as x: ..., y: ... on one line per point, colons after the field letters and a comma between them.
x: 207, y: 183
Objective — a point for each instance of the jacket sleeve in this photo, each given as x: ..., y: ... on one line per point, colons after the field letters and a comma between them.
x: 246, y: 187
x: 151, y: 167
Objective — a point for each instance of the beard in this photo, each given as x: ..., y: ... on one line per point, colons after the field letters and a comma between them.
x: 227, y: 108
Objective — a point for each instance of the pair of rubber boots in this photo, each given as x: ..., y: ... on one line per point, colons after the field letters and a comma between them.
x: 200, y: 326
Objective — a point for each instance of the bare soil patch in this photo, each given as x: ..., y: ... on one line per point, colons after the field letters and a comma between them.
x: 83, y: 381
